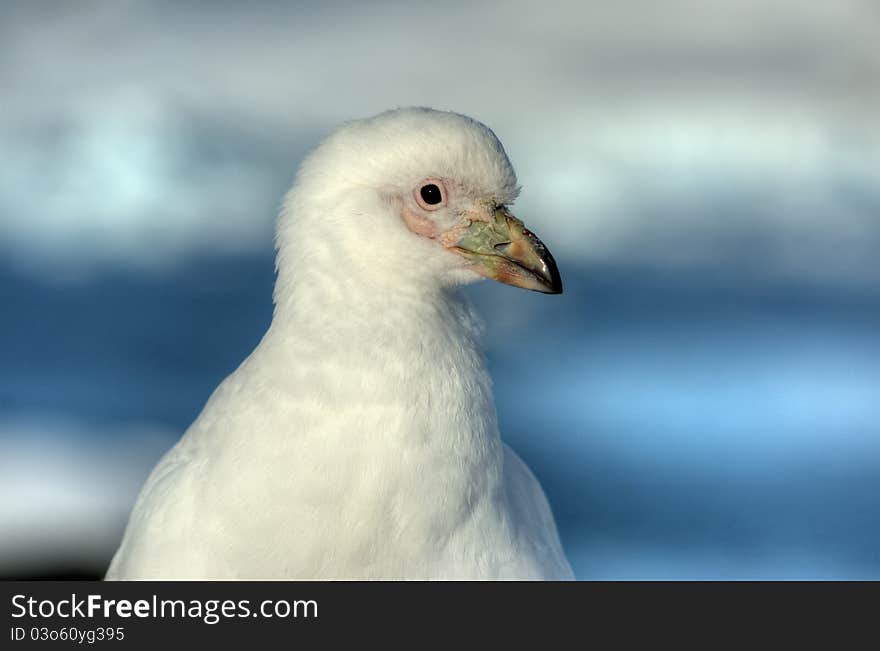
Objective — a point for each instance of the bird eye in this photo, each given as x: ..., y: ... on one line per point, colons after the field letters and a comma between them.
x: 431, y: 195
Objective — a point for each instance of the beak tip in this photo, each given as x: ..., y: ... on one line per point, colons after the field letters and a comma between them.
x: 554, y: 287
x: 552, y: 279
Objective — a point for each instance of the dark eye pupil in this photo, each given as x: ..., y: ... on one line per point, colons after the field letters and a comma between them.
x: 431, y: 194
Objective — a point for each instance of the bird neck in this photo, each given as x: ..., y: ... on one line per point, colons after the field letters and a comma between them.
x: 412, y: 357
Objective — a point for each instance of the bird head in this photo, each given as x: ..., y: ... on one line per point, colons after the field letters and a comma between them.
x: 413, y: 193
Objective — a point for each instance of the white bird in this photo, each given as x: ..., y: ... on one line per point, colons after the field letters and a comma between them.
x: 359, y: 440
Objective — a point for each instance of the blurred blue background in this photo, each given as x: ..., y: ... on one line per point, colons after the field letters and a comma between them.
x: 702, y: 402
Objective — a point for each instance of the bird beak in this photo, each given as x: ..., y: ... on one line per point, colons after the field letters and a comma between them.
x: 503, y: 249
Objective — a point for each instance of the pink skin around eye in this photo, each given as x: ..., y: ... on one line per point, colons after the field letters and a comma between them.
x: 417, y: 222
x: 428, y: 206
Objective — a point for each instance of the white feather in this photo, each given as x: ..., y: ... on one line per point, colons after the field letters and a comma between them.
x: 359, y: 440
